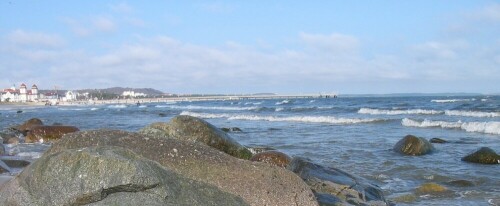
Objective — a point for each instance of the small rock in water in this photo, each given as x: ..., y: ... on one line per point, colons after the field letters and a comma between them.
x: 483, y: 155
x: 412, y: 145
x: 461, y: 183
x: 405, y: 198
x: 162, y: 114
x: 428, y: 188
x: 48, y: 133
x: 19, y: 111
x: 231, y: 129
x: 28, y: 125
x: 438, y: 140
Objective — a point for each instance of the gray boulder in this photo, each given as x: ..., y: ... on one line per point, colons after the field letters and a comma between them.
x: 412, y: 145
x: 257, y: 183
x: 106, y: 176
x: 195, y: 129
x: 483, y: 155
x: 2, y: 149
x: 336, y: 187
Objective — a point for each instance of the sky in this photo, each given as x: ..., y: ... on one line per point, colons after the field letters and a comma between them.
x: 232, y: 47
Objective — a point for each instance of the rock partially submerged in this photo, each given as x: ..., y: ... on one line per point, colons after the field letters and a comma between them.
x: 28, y: 125
x: 107, y: 176
x: 48, y: 133
x: 189, y: 128
x: 336, y: 187
x: 438, y: 140
x: 483, y: 155
x: 412, y: 145
x: 256, y: 183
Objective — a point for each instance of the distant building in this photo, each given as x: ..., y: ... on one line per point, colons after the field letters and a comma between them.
x: 69, y: 96
x: 21, y: 95
x: 133, y: 94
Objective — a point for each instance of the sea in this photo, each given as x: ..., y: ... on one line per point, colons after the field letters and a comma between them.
x: 354, y: 134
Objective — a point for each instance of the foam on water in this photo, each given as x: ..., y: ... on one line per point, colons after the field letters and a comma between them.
x: 398, y: 112
x: 471, y: 113
x: 94, y: 108
x: 481, y: 127
x: 307, y: 119
x: 286, y: 101
x: 117, y: 106
x: 451, y: 100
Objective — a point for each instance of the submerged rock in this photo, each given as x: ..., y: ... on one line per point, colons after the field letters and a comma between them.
x: 461, y: 183
x: 28, y: 125
x: 231, y: 129
x: 483, y: 155
x: 48, y: 133
x: 438, y: 140
x: 275, y: 158
x: 256, y: 183
x: 107, y: 176
x: 412, y: 145
x: 334, y: 186
x: 429, y: 188
x: 195, y: 129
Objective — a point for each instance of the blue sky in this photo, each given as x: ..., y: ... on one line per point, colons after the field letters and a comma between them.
x: 253, y: 46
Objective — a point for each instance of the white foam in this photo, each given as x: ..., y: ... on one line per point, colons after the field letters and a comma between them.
x: 94, y: 108
x: 193, y: 107
x: 117, y: 106
x: 451, y: 100
x: 471, y: 113
x: 142, y: 106
x: 279, y: 109
x: 307, y: 119
x: 481, y: 127
x: 286, y: 101
x: 397, y: 112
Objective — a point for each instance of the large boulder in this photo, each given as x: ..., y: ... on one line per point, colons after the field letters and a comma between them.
x: 195, y: 129
x: 273, y: 158
x: 412, y: 145
x: 336, y: 187
x: 48, y: 133
x: 107, y: 176
x: 257, y: 183
x: 28, y: 125
x: 483, y: 155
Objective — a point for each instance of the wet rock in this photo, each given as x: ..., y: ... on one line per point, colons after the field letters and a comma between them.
x: 273, y: 158
x: 2, y: 149
x: 107, y: 176
x: 256, y: 183
x: 9, y: 138
x: 19, y: 111
x: 231, y: 129
x: 4, y: 167
x: 16, y: 162
x: 162, y: 114
x: 195, y: 129
x: 259, y: 149
x: 28, y: 125
x: 430, y: 187
x: 438, y: 140
x: 405, y: 198
x: 461, y: 183
x: 48, y: 133
x: 411, y: 145
x: 483, y: 155
x: 338, y: 184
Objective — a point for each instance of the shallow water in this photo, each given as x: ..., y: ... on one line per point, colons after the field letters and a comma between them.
x: 354, y: 134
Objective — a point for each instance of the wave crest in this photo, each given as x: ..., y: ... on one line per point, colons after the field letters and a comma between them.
x: 398, y: 112
x: 307, y: 119
x: 481, y: 127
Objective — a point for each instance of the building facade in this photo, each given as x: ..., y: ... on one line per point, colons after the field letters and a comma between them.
x: 21, y: 95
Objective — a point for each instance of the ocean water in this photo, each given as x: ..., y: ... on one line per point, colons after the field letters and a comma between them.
x: 355, y: 134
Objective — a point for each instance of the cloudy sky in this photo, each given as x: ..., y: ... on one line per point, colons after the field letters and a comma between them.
x: 253, y: 46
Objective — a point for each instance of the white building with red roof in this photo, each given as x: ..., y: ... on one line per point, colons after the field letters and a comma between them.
x: 21, y: 95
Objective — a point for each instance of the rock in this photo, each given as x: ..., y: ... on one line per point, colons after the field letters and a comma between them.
x: 461, y: 183
x: 405, y: 198
x: 9, y: 138
x: 28, y: 125
x: 438, y: 140
x: 338, y: 184
x: 48, y: 133
x: 162, y: 114
x: 231, y: 129
x: 2, y: 149
x: 195, y: 129
x: 16, y: 162
x: 255, y: 182
x: 107, y: 176
x: 4, y: 167
x: 483, y: 155
x: 411, y: 145
x: 273, y: 158
x: 259, y: 149
x: 4, y: 179
x: 429, y: 188
x: 19, y: 111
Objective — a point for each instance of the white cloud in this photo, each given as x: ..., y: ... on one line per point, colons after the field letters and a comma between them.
x: 104, y: 24
x: 35, y: 39
x: 490, y: 13
x: 121, y: 8
x: 334, y: 42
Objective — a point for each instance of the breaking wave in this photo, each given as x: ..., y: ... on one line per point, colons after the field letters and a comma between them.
x: 398, y: 112
x: 451, y: 100
x: 307, y: 119
x: 471, y: 113
x: 286, y: 101
x: 117, y: 106
x: 481, y: 127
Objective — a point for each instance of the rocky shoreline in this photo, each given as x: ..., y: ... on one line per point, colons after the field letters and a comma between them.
x: 186, y: 161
